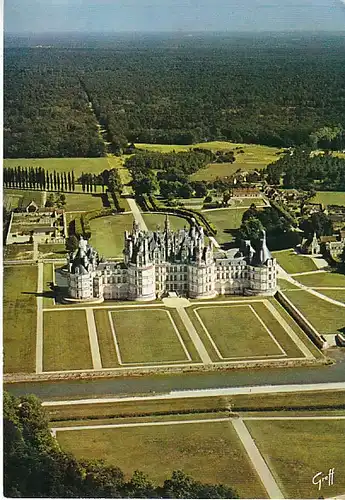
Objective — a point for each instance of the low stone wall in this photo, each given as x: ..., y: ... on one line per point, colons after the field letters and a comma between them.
x: 12, y: 378
x: 307, y: 327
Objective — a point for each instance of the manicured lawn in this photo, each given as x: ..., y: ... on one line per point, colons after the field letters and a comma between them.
x: 293, y: 263
x: 51, y: 251
x: 48, y: 278
x: 19, y: 318
x: 236, y: 331
x: 329, y: 197
x: 334, y: 294
x: 105, y: 339
x: 146, y: 336
x: 226, y: 221
x: 297, y: 450
x: 154, y: 220
x: 327, y: 318
x: 322, y: 279
x: 107, y: 234
x: 78, y: 165
x: 210, y: 452
x: 18, y: 252
x: 66, y: 341
x: 286, y: 285
x: 83, y: 202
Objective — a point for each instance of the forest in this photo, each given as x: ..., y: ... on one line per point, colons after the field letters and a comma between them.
x: 282, y: 96
x: 301, y: 169
x: 36, y: 467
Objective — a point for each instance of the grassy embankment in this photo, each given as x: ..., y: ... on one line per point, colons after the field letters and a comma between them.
x: 293, y: 263
x: 327, y: 318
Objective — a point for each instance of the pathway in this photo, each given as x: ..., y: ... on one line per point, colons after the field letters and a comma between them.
x: 39, y: 325
x: 306, y: 273
x: 136, y: 213
x: 96, y: 357
x: 199, y: 346
x: 289, y: 277
x: 201, y: 393
x: 257, y: 460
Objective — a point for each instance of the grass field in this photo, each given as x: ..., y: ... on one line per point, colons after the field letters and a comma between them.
x: 105, y: 339
x: 293, y: 263
x: 254, y: 157
x: 147, y: 336
x: 327, y: 318
x: 66, y: 341
x: 329, y: 197
x: 57, y: 251
x: 255, y: 151
x: 154, y: 220
x: 297, y: 450
x: 236, y: 331
x: 226, y: 221
x: 223, y: 170
x: 334, y: 294
x: 209, y: 452
x: 78, y: 165
x: 18, y: 252
x: 13, y: 198
x: 107, y: 234
x: 83, y: 202
x: 322, y: 279
x: 19, y: 318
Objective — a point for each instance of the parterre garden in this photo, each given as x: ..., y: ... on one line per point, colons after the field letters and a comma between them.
x: 148, y: 335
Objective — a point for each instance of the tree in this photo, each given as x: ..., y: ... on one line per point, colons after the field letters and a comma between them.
x: 251, y: 229
x: 72, y: 243
x: 226, y: 198
x: 182, y: 486
x: 50, y: 201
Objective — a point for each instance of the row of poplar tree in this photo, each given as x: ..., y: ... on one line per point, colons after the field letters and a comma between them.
x: 38, y: 178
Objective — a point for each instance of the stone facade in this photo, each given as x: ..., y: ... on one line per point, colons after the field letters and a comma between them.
x: 159, y: 262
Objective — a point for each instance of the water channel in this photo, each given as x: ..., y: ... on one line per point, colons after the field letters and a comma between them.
x: 166, y: 383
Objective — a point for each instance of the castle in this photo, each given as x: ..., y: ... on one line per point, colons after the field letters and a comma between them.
x: 163, y: 261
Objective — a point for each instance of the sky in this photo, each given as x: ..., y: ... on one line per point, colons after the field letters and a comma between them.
x: 42, y: 16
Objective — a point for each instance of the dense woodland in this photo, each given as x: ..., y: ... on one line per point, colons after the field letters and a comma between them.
x: 301, y: 170
x: 276, y: 95
x: 36, y: 467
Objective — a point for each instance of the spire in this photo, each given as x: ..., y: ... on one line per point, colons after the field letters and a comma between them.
x: 167, y: 223
x: 136, y: 226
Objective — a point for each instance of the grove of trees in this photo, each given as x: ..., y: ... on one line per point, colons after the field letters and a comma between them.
x: 301, y: 169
